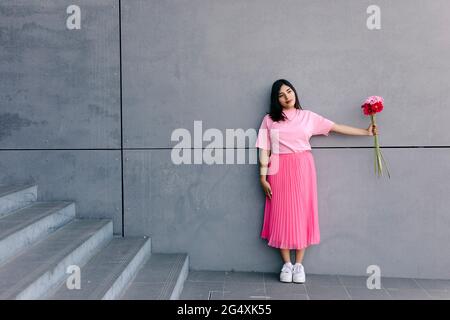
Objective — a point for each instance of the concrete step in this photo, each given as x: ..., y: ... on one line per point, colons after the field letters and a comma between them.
x: 16, y: 197
x: 43, y: 266
x: 107, y: 274
x: 30, y: 224
x: 161, y: 278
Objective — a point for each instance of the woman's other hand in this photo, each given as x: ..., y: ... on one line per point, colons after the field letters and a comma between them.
x: 266, y: 187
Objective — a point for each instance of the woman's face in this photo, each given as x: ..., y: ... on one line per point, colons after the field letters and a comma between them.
x: 286, y: 96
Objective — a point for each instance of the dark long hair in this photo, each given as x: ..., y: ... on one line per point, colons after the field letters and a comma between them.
x: 276, y: 110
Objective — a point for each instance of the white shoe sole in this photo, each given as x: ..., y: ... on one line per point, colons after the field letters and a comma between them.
x: 287, y: 279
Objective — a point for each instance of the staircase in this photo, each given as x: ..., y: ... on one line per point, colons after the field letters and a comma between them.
x: 45, y: 249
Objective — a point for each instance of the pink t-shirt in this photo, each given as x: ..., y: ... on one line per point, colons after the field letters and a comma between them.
x: 293, y: 134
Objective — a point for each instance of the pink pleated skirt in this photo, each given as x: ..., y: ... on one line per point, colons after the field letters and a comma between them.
x: 291, y: 218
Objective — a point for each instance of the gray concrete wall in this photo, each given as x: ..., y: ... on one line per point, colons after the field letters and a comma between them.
x: 215, y: 61
x: 60, y: 103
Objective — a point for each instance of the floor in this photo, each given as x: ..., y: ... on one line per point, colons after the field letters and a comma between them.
x: 218, y: 285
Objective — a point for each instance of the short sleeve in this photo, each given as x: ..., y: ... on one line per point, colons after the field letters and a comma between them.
x: 320, y: 124
x: 263, y: 139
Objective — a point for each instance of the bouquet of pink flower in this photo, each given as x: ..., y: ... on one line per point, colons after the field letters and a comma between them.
x: 371, y: 106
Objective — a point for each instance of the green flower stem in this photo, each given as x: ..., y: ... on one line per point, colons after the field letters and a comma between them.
x: 379, y: 159
x: 375, y: 159
x: 380, y: 166
x: 382, y: 158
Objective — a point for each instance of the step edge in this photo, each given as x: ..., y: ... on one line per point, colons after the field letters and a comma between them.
x: 179, y: 285
x: 29, y: 293
x: 12, y: 208
x: 173, y: 278
x: 19, y: 188
x: 49, y: 212
x: 48, y: 225
x: 99, y: 293
x: 137, y: 262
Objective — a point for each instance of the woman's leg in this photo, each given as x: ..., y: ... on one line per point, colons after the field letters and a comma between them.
x: 285, y: 254
x: 299, y: 255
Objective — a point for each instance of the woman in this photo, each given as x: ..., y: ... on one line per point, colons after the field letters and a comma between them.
x: 288, y: 175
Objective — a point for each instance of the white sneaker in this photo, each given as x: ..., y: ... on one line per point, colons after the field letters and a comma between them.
x: 298, y: 273
x: 286, y: 272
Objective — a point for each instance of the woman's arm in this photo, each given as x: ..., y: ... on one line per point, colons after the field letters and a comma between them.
x: 341, y: 128
x: 263, y: 163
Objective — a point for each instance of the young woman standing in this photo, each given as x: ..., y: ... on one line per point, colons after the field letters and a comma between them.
x: 288, y: 175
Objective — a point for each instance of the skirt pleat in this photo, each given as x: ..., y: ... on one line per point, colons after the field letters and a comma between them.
x: 291, y: 217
